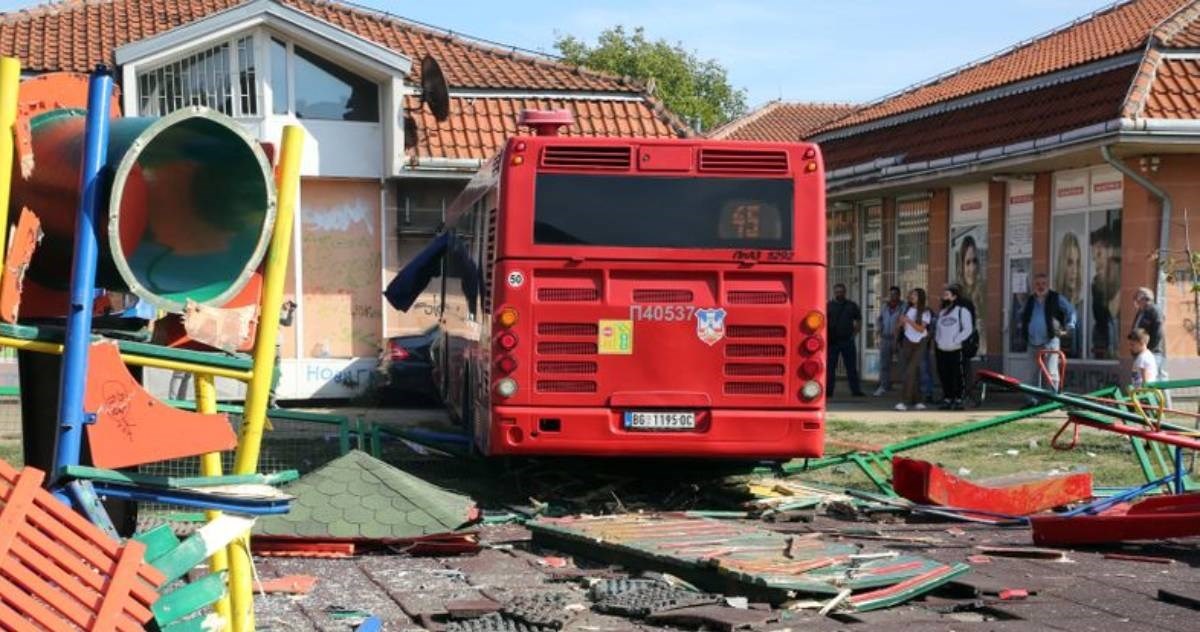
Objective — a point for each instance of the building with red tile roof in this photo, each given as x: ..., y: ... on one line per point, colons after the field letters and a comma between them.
x: 1072, y: 153
x: 372, y: 193
x: 783, y: 121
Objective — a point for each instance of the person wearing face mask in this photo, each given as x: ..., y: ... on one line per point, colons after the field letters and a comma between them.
x: 1047, y: 317
x: 954, y: 326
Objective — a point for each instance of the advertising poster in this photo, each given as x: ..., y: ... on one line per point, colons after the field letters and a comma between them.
x: 1067, y: 254
x: 1105, y: 285
x: 968, y: 268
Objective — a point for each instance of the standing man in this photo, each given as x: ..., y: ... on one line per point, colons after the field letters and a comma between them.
x: 886, y: 331
x: 1149, y: 319
x: 1046, y: 318
x: 845, y: 321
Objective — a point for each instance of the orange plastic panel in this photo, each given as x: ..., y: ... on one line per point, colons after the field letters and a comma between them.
x: 24, y: 242
x: 60, y: 572
x: 133, y: 428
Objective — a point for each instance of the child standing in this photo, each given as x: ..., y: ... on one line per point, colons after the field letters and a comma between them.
x: 914, y: 341
x: 1145, y: 367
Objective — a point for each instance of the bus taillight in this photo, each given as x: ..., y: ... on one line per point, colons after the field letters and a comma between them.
x: 507, y: 341
x: 810, y: 369
x: 812, y: 344
x: 506, y: 364
x: 810, y: 391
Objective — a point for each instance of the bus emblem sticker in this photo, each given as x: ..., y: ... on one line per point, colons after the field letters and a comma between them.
x: 616, y: 337
x: 516, y: 278
x: 710, y: 325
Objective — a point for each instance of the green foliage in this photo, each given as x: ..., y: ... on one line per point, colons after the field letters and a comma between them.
x: 698, y: 90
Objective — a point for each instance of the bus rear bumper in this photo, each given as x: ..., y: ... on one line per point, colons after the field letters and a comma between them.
x: 740, y: 434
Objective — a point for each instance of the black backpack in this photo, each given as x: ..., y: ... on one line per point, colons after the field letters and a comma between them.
x: 970, y: 346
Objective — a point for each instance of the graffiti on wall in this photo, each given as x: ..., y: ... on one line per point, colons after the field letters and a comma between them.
x: 341, y: 269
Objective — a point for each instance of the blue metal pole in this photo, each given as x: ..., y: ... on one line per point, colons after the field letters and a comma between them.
x: 71, y: 415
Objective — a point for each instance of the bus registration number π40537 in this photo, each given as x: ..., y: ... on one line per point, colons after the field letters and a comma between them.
x: 660, y: 421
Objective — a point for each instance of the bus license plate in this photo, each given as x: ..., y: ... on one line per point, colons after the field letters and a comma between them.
x: 660, y: 421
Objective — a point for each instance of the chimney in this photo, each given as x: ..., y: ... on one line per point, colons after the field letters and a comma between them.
x: 545, y: 122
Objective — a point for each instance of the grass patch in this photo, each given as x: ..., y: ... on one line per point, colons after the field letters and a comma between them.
x: 12, y: 453
x: 985, y: 454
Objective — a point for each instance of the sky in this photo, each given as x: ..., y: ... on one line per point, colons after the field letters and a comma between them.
x: 809, y: 50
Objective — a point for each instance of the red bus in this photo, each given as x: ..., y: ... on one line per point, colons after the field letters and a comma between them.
x: 636, y: 297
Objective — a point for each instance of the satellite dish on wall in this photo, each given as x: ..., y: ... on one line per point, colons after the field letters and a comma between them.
x: 434, y: 92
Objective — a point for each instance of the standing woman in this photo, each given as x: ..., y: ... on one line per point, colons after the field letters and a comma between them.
x: 954, y: 326
x: 914, y: 340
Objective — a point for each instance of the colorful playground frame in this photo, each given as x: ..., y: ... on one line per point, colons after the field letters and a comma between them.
x: 236, y: 608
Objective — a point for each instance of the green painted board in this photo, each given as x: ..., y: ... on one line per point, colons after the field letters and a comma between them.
x: 359, y: 496
x: 188, y: 599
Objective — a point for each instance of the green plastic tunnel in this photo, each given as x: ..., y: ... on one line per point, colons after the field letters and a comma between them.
x: 189, y: 211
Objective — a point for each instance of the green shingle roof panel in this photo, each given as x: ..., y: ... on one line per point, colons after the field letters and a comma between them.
x: 359, y: 496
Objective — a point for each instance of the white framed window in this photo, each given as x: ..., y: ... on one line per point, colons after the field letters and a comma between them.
x: 223, y: 77
x: 309, y: 86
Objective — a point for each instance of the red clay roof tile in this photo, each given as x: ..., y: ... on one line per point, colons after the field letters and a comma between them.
x: 1175, y: 93
x: 1123, y: 28
x: 463, y: 136
x: 75, y: 35
x: 782, y: 121
x: 1022, y: 117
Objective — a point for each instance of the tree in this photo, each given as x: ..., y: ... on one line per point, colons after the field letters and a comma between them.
x: 696, y: 89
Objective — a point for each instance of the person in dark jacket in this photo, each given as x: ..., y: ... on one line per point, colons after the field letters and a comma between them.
x: 1047, y: 317
x: 1150, y: 320
x: 845, y: 321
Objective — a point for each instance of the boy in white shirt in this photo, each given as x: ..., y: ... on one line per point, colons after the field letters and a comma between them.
x: 1145, y: 367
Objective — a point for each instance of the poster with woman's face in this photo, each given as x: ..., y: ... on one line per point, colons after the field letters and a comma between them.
x: 1105, y: 282
x: 968, y: 268
x: 1069, y: 260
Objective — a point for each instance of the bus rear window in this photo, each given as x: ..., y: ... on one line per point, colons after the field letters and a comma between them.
x: 639, y: 211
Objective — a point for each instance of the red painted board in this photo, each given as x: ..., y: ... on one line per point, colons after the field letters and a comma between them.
x: 1109, y: 528
x: 1177, y: 503
x: 925, y: 483
x: 1168, y: 438
x: 133, y: 428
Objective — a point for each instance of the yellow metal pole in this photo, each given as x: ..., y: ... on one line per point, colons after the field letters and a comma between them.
x: 56, y: 348
x: 10, y: 87
x: 210, y: 465
x: 254, y: 416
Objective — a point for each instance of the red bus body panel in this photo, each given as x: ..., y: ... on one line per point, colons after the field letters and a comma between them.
x: 743, y: 385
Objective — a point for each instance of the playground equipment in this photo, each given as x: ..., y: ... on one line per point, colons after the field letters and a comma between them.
x: 180, y: 211
x: 186, y: 216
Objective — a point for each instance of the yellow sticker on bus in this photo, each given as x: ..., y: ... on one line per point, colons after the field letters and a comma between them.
x: 616, y: 337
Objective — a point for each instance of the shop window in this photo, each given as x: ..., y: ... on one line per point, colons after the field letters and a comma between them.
x: 422, y: 205
x: 1085, y: 257
x: 207, y: 78
x: 912, y: 245
x: 842, y: 256
x: 872, y: 240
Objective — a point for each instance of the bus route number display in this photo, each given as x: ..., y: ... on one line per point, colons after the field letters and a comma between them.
x: 745, y: 221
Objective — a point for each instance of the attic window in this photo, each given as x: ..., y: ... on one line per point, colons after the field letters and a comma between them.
x: 325, y: 90
x: 223, y: 78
